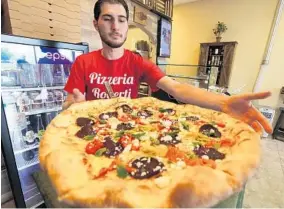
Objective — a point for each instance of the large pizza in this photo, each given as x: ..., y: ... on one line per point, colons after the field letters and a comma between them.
x: 147, y: 153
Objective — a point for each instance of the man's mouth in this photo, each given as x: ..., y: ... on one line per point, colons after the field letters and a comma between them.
x: 115, y: 35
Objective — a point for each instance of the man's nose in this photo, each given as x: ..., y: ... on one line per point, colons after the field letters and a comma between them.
x: 114, y: 25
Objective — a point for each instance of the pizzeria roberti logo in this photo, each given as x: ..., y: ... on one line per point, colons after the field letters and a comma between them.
x: 97, y: 78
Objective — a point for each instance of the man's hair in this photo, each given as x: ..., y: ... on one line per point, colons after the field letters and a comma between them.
x: 99, y: 3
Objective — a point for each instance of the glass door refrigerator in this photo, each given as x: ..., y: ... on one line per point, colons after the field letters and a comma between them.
x: 33, y: 75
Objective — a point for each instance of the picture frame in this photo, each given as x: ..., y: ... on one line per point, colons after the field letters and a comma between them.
x: 140, y: 15
x: 164, y: 38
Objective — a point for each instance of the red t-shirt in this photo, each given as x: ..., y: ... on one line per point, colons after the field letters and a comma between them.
x: 91, y: 70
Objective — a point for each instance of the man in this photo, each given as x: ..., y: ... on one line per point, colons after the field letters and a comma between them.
x: 124, y: 70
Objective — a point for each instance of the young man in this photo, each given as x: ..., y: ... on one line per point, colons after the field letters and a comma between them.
x: 124, y: 70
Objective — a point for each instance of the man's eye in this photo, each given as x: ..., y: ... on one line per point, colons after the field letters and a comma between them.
x: 107, y: 19
x: 122, y: 20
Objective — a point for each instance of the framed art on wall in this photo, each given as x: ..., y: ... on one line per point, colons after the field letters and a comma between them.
x: 164, y: 38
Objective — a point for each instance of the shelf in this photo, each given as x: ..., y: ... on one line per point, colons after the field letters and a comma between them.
x: 38, y: 204
x: 23, y: 164
x: 23, y: 147
x: 18, y: 88
x: 194, y: 78
x: 55, y: 109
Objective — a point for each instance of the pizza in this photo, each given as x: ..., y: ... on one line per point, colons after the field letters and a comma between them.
x: 147, y: 153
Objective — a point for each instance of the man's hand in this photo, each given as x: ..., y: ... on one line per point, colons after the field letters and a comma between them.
x: 78, y: 96
x: 240, y: 107
x: 75, y: 97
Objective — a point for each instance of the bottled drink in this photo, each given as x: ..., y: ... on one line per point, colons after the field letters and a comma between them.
x: 59, y: 98
x: 50, y: 101
x: 47, y: 118
x: 28, y: 76
x: 45, y: 71
x: 58, y: 75
x: 39, y: 126
x: 24, y: 102
x: 29, y: 136
x: 28, y: 155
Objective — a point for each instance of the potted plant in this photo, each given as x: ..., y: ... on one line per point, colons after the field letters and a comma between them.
x: 219, y: 30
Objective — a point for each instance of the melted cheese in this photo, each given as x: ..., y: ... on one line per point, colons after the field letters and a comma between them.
x: 163, y: 181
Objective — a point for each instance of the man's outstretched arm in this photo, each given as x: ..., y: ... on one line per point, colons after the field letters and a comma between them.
x: 237, y: 106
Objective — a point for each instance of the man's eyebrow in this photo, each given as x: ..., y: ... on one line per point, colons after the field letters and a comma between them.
x: 108, y: 15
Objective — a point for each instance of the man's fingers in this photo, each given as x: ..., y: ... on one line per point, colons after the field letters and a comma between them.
x: 256, y: 126
x: 254, y: 96
x: 78, y: 96
x: 76, y: 92
x: 263, y: 121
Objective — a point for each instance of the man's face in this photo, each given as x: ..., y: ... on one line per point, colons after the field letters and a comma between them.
x: 112, y: 25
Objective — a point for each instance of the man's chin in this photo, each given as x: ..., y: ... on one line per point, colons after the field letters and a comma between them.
x: 114, y: 44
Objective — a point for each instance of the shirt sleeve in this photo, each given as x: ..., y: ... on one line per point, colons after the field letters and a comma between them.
x: 76, y: 78
x: 150, y: 73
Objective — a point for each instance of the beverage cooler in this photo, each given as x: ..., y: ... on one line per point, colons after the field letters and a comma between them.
x: 33, y: 75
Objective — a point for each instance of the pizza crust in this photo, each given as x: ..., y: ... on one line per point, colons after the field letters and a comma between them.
x: 61, y: 157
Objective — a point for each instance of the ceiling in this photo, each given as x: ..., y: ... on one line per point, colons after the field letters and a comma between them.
x: 177, y: 2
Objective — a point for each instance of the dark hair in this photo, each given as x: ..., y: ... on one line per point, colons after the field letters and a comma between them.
x: 99, y: 3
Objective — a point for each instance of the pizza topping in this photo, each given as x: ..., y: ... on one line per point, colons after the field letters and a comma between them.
x: 121, y: 172
x: 126, y: 108
x: 179, y: 157
x: 144, y: 114
x: 185, y: 125
x: 170, y: 111
x: 210, y: 131
x: 124, y: 126
x: 112, y: 148
x: 166, y: 123
x: 84, y: 121
x: 146, y: 167
x: 192, y: 118
x: 100, y: 152
x: 170, y: 138
x: 104, y: 171
x: 93, y: 147
x: 85, y: 131
x: 163, y: 181
x: 210, y: 152
x: 105, y: 116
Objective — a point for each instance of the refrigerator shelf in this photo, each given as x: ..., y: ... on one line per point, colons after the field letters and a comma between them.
x: 18, y: 88
x: 35, y: 112
x: 38, y: 204
x: 23, y: 164
x: 27, y: 148
x: 35, y: 201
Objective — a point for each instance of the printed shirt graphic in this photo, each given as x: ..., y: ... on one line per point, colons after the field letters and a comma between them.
x: 90, y: 71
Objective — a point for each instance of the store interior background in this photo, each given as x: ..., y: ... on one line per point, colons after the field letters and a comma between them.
x: 249, y: 23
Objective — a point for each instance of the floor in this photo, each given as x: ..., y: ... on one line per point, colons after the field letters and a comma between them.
x: 266, y: 188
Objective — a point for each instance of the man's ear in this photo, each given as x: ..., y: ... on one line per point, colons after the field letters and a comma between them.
x: 95, y: 23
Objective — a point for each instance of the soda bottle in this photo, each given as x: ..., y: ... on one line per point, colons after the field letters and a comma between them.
x: 29, y: 136
x: 39, y: 127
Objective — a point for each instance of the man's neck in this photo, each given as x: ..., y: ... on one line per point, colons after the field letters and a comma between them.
x: 111, y: 53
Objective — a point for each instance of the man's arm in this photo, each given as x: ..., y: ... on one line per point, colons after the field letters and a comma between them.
x: 238, y: 106
x: 189, y: 94
x: 74, y: 97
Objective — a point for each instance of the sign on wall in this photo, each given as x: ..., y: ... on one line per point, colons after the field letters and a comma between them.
x: 140, y: 15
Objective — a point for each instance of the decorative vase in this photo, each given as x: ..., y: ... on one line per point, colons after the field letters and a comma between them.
x: 218, y: 39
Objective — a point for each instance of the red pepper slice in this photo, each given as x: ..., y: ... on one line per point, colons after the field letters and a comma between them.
x: 93, y: 146
x: 125, y: 140
x: 221, y: 125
